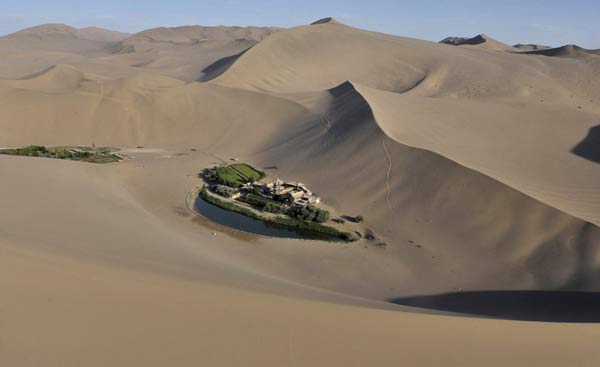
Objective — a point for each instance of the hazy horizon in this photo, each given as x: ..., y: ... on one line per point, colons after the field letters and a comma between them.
x: 552, y: 23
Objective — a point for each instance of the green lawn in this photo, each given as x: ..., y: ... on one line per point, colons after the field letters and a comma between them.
x: 248, y: 171
x: 229, y: 177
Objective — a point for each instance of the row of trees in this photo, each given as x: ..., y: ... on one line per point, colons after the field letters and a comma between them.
x: 309, y: 213
x: 264, y: 203
x: 85, y: 153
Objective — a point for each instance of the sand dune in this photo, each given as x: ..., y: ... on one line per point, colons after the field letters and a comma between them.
x: 185, y: 52
x: 196, y: 34
x: 307, y: 133
x: 480, y: 41
x: 432, y: 85
x: 38, y: 48
x: 181, y: 52
x: 54, y: 38
x: 47, y: 31
x: 162, y: 321
x: 477, y: 168
x: 512, y: 158
x: 572, y: 51
x: 502, y: 223
x: 142, y: 109
x: 161, y: 288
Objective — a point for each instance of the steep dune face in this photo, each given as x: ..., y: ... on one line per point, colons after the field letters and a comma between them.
x: 458, y: 103
x: 309, y: 57
x: 462, y: 219
x: 458, y: 100
x: 489, y: 138
x: 322, y: 56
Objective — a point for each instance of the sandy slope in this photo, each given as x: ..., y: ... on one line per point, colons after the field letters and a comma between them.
x: 85, y: 314
x: 441, y: 91
x: 461, y: 218
x: 538, y: 162
x: 138, y: 110
x: 96, y: 289
x: 459, y: 158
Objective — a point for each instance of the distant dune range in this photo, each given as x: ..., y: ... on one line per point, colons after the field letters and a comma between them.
x: 181, y: 52
x: 473, y: 160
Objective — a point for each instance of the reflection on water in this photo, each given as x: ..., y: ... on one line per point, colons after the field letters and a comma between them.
x: 252, y: 225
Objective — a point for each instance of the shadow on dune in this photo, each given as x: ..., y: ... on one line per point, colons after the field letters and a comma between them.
x: 550, y: 306
x: 219, y: 67
x: 589, y: 147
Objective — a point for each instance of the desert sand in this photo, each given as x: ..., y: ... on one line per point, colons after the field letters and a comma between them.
x: 472, y: 162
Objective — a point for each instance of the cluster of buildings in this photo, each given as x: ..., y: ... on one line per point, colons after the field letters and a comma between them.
x: 298, y: 191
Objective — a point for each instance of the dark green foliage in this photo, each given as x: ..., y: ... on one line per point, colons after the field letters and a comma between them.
x: 359, y: 218
x: 322, y: 216
x: 226, y: 175
x: 30, y: 151
x: 314, y: 227
x: 224, y: 190
x: 255, y: 200
x: 309, y: 213
x: 284, y: 199
x: 264, y: 203
x: 210, y: 174
x: 302, y: 212
x: 274, y: 208
x: 72, y: 153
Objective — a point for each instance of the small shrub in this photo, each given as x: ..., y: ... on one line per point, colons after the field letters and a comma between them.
x: 224, y: 191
